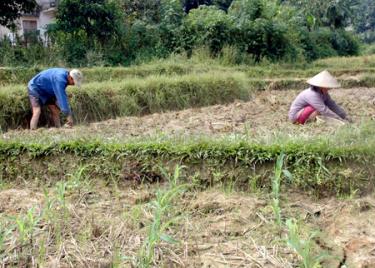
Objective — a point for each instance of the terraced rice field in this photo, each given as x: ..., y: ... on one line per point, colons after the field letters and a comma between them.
x: 189, y: 182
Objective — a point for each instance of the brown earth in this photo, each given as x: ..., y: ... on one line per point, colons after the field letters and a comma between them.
x: 265, y: 114
x: 268, y: 111
x: 107, y: 222
x: 215, y: 228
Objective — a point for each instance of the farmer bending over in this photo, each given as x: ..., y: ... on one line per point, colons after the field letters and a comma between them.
x: 48, y: 88
x: 316, y: 101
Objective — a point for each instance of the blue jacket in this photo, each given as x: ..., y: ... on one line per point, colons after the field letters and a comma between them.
x: 51, y: 83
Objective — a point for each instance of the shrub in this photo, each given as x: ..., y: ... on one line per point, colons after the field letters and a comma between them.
x: 317, y: 44
x: 345, y: 43
x: 209, y: 26
x: 260, y: 29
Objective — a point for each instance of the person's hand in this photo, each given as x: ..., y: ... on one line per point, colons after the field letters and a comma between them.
x: 349, y: 120
x: 69, y: 122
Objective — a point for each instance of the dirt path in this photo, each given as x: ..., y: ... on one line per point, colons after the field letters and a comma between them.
x: 265, y: 114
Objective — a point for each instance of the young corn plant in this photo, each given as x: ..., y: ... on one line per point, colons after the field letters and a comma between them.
x: 276, y: 182
x: 61, y: 189
x: 304, y: 248
x: 5, y: 232
x: 77, y: 179
x: 61, y: 192
x: 26, y: 225
x: 48, y: 205
x: 162, y: 219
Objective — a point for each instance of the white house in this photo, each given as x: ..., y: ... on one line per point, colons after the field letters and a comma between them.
x: 36, y: 21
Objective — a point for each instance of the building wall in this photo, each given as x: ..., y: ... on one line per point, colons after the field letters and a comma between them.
x: 46, y: 16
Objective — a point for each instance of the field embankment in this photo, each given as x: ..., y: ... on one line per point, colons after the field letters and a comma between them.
x: 164, y: 86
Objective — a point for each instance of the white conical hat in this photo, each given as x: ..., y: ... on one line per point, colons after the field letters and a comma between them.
x: 324, y: 79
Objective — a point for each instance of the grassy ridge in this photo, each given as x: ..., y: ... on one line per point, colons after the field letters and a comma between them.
x: 173, y: 84
x: 177, y: 65
x: 136, y: 96
x: 10, y: 76
x: 98, y: 101
x: 318, y: 166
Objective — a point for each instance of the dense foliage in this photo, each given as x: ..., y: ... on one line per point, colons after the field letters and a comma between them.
x: 122, y: 32
x: 10, y: 10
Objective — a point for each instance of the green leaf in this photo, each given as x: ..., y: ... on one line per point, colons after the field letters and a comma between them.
x: 168, y: 239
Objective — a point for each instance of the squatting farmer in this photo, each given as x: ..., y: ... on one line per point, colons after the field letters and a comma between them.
x: 316, y: 101
x: 48, y: 88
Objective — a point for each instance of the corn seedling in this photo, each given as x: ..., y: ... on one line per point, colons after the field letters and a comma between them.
x: 161, y: 209
x: 304, y: 248
x: 4, y: 234
x: 61, y: 191
x: 77, y: 179
x: 48, y: 205
x: 42, y: 252
x: 276, y: 181
x: 26, y: 225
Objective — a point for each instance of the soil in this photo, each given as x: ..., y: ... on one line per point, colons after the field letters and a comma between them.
x: 266, y: 113
x: 215, y: 227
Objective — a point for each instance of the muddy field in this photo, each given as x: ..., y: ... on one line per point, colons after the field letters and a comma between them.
x: 107, y: 223
x: 262, y: 116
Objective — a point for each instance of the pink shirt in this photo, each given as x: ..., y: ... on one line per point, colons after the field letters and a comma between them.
x: 323, y: 103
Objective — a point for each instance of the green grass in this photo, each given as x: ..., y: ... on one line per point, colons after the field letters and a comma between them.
x: 202, y: 63
x: 318, y: 164
x: 99, y: 101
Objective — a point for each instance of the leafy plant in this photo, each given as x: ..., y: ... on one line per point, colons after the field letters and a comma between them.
x: 5, y: 232
x: 26, y: 225
x: 78, y: 179
x: 304, y: 248
x: 276, y: 181
x: 161, y: 209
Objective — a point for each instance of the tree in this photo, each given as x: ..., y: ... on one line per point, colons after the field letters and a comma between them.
x: 10, y: 10
x: 146, y: 10
x: 192, y: 4
x: 331, y: 13
x: 209, y: 26
x: 223, y: 4
x: 172, y: 15
x: 99, y: 19
x: 365, y: 19
x: 263, y: 28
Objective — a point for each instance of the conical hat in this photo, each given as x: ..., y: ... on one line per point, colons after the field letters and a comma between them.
x: 324, y: 79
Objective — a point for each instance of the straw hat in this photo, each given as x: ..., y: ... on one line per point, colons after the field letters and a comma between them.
x: 324, y: 79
